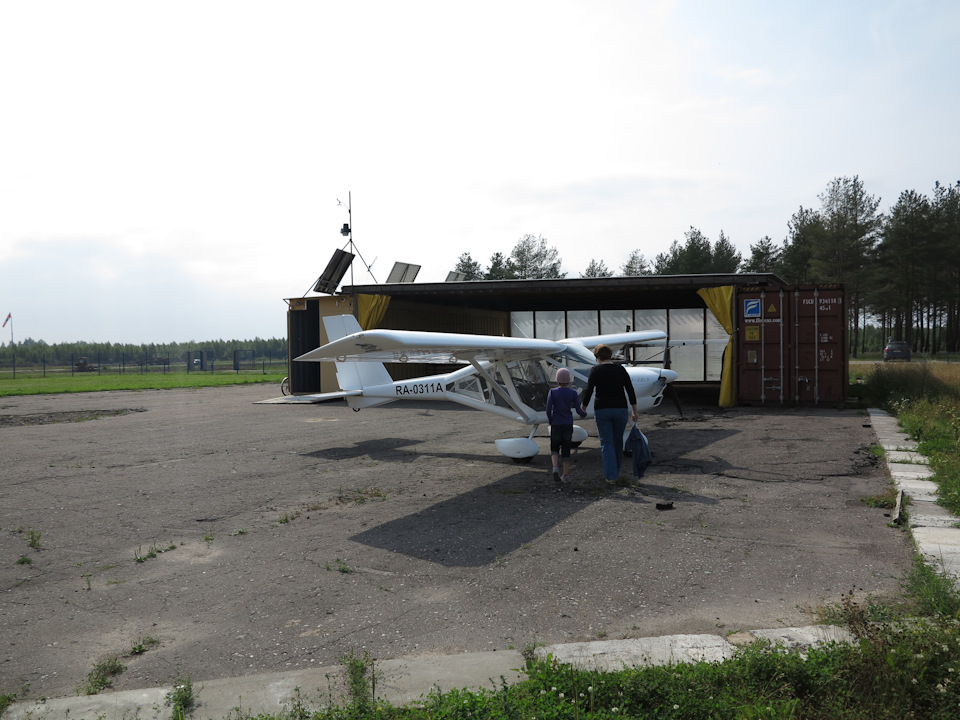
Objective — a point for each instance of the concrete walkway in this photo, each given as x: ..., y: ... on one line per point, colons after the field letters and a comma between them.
x: 935, y: 530
x: 404, y: 680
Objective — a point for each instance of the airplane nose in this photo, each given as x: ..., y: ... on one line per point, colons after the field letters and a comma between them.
x: 668, y: 375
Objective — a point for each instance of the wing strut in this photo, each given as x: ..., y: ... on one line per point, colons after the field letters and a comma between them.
x: 499, y: 390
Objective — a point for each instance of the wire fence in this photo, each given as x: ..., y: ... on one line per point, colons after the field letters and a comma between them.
x: 199, y: 361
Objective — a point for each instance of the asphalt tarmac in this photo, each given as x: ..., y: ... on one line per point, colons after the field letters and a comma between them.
x: 229, y: 538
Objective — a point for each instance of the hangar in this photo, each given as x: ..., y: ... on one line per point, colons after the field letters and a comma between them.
x: 758, y: 340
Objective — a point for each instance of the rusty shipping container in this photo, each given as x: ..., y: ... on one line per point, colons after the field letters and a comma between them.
x: 791, y: 345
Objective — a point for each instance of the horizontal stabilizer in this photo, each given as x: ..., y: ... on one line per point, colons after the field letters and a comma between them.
x: 339, y: 395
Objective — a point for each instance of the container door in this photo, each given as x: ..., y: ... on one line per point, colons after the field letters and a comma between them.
x: 762, y: 347
x: 303, y: 335
x: 819, y: 363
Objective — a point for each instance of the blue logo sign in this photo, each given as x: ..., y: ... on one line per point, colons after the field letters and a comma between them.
x: 751, y: 308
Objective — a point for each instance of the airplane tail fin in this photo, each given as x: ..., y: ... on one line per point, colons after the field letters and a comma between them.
x: 355, y: 375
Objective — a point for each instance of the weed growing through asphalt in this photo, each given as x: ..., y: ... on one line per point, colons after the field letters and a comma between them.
x: 142, y: 645
x: 33, y: 539
x: 101, y: 677
x: 24, y: 560
x: 181, y: 698
x: 360, y: 496
x: 341, y: 566
x: 152, y: 553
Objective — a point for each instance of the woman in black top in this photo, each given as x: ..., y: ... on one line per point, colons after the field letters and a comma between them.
x: 611, y: 382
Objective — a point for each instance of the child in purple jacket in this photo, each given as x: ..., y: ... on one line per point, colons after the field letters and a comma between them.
x: 560, y: 400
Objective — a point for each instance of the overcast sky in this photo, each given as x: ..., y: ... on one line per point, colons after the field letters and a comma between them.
x: 171, y: 171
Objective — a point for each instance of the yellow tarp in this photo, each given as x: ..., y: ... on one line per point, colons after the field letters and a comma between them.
x: 719, y: 300
x: 371, y: 309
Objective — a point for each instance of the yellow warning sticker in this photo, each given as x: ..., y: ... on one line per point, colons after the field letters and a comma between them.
x: 772, y: 308
x: 752, y: 333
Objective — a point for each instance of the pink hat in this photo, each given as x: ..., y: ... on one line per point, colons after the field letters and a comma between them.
x: 563, y: 375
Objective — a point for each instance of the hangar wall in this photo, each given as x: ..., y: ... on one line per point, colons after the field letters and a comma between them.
x: 789, y: 342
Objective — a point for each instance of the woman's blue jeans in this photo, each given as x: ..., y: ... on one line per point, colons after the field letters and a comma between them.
x: 611, y: 422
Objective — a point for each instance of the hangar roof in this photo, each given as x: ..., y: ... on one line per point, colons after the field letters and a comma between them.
x: 646, y: 291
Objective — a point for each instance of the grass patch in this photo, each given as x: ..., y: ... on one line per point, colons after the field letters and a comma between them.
x: 153, y: 552
x: 6, y: 700
x: 887, y: 500
x: 142, y: 645
x: 133, y: 380
x: 33, y: 539
x: 340, y: 567
x: 925, y: 397
x: 101, y: 677
x: 181, y: 699
x: 360, y: 496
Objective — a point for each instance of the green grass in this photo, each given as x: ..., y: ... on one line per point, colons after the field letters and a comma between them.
x: 181, y: 699
x: 101, y: 677
x: 91, y: 382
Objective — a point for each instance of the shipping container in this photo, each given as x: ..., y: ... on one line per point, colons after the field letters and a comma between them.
x: 791, y: 345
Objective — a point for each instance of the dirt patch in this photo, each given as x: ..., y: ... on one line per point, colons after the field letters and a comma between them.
x: 295, y: 534
x: 49, y: 418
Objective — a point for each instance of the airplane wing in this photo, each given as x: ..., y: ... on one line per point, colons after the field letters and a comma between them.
x: 430, y: 347
x: 615, y: 340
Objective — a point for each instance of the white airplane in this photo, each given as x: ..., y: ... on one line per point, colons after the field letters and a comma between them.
x: 503, y: 375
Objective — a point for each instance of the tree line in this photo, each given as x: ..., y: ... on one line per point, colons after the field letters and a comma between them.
x: 37, y: 352
x: 901, y: 270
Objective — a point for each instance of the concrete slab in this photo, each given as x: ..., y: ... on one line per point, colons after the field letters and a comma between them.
x: 917, y: 489
x: 616, y: 654
x: 902, y: 456
x: 403, y: 680
x: 940, y: 547
x: 804, y: 637
x: 896, y: 444
x: 908, y: 470
x: 254, y: 694
x: 399, y: 681
x: 926, y: 513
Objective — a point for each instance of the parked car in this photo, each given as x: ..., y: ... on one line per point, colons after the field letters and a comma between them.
x: 896, y: 350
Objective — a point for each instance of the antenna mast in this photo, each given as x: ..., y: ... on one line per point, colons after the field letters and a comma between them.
x: 347, y: 230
